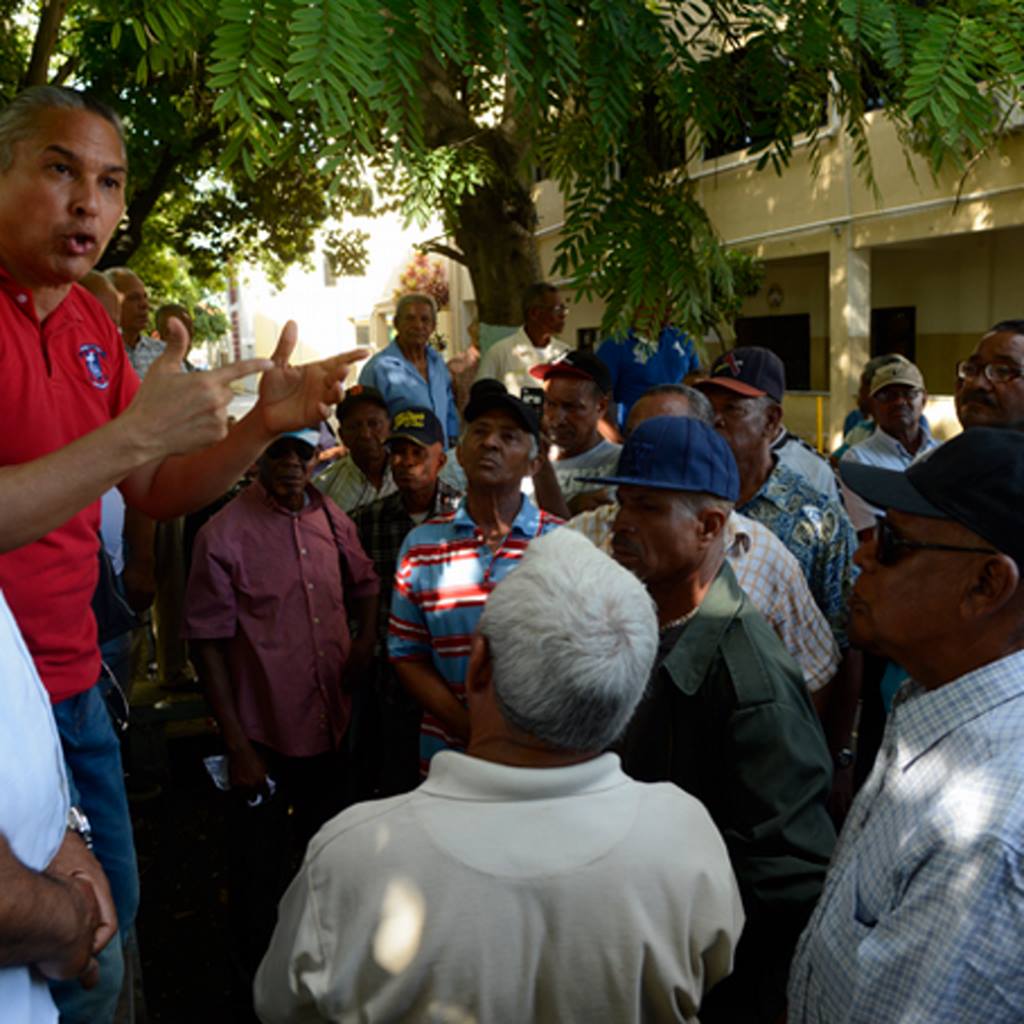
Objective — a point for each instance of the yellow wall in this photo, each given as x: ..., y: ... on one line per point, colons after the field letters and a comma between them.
x: 959, y: 264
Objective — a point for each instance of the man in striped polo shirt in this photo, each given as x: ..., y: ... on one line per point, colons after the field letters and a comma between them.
x: 449, y: 565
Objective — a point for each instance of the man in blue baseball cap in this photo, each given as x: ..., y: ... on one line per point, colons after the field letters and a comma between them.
x: 921, y: 916
x: 726, y: 716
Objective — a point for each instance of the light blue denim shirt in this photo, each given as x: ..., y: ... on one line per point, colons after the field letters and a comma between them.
x: 400, y: 383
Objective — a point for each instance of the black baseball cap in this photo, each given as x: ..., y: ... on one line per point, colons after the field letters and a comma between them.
x: 977, y: 480
x: 488, y: 394
x: 581, y: 365
x: 676, y: 453
x: 749, y: 371
x: 356, y: 395
x: 418, y: 425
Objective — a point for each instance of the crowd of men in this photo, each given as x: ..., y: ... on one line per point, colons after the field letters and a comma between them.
x: 555, y: 689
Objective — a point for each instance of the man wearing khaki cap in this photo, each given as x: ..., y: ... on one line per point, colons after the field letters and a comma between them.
x: 896, y: 395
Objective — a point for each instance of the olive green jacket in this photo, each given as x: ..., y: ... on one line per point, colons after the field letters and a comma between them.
x: 727, y: 717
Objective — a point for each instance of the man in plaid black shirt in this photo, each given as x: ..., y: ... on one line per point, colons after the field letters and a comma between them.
x: 387, y: 732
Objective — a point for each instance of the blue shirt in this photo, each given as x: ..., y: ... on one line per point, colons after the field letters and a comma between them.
x: 633, y: 370
x: 400, y: 383
x: 922, y: 917
x: 818, y: 533
x: 445, y: 573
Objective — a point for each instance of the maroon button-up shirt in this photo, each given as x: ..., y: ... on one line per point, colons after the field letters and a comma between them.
x: 272, y: 584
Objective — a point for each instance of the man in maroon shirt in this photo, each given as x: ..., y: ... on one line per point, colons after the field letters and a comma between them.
x: 276, y: 575
x: 74, y: 422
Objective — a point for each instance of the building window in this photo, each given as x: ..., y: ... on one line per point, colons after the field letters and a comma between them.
x: 789, y: 337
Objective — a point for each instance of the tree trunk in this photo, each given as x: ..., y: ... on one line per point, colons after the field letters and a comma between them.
x: 494, y: 230
x: 50, y: 18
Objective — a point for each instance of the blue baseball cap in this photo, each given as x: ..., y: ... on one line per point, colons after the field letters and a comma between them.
x: 676, y: 453
x: 307, y: 434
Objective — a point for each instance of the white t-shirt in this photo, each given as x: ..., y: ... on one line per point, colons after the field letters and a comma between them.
x: 601, y: 460
x: 33, y: 798
x: 496, y: 894
x: 510, y: 360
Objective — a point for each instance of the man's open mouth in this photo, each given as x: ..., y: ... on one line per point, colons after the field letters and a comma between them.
x: 80, y: 243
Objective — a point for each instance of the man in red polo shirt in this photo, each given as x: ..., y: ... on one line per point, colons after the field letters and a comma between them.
x: 74, y: 421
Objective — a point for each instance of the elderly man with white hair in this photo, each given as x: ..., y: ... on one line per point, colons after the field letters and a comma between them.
x: 528, y: 879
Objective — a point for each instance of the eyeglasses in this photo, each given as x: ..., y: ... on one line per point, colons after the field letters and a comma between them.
x: 997, y: 373
x: 562, y: 307
x: 284, y: 446
x: 889, y: 545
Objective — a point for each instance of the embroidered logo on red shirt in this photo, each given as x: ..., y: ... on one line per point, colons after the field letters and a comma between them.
x: 95, y: 359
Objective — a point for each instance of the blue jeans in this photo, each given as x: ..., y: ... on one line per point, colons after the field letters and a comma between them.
x: 92, y: 755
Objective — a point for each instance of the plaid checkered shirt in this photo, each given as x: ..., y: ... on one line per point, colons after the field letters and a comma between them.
x: 922, y: 916
x: 383, y: 526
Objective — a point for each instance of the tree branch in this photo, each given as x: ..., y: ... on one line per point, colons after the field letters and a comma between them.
x: 440, y: 249
x: 67, y: 69
x: 126, y: 240
x: 50, y: 17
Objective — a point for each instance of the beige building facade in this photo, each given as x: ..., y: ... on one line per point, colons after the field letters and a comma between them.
x: 924, y: 266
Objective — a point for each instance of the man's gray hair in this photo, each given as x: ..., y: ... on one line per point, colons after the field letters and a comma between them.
x: 19, y: 120
x: 573, y: 637
x: 414, y: 299
x: 699, y: 403
x: 694, y: 502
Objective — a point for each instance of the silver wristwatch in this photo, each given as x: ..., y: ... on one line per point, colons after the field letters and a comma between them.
x: 79, y: 824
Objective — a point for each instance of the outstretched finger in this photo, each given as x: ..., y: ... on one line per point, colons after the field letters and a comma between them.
x: 175, y: 347
x: 286, y: 344
x: 235, y: 371
x: 337, y: 366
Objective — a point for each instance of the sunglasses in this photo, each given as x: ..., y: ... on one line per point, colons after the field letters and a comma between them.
x: 284, y: 446
x: 889, y: 545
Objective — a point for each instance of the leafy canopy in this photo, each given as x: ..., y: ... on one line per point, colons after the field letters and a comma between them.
x: 443, y: 100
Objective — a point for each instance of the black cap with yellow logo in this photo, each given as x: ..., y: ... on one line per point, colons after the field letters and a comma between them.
x: 418, y: 425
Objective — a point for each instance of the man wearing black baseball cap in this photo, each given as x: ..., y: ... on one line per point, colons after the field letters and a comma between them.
x: 363, y: 474
x: 759, y: 373
x: 921, y: 916
x: 725, y: 702
x: 576, y: 390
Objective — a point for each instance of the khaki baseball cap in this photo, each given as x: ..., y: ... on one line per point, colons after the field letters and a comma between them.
x: 900, y: 372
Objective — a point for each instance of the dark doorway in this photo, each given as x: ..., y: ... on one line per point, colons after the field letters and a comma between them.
x: 894, y: 329
x: 789, y: 337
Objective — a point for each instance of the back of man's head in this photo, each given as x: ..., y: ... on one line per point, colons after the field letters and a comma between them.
x: 572, y: 638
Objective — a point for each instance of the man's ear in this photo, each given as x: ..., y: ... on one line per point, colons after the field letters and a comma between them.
x: 772, y: 419
x: 996, y: 582
x: 480, y: 672
x: 711, y: 522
